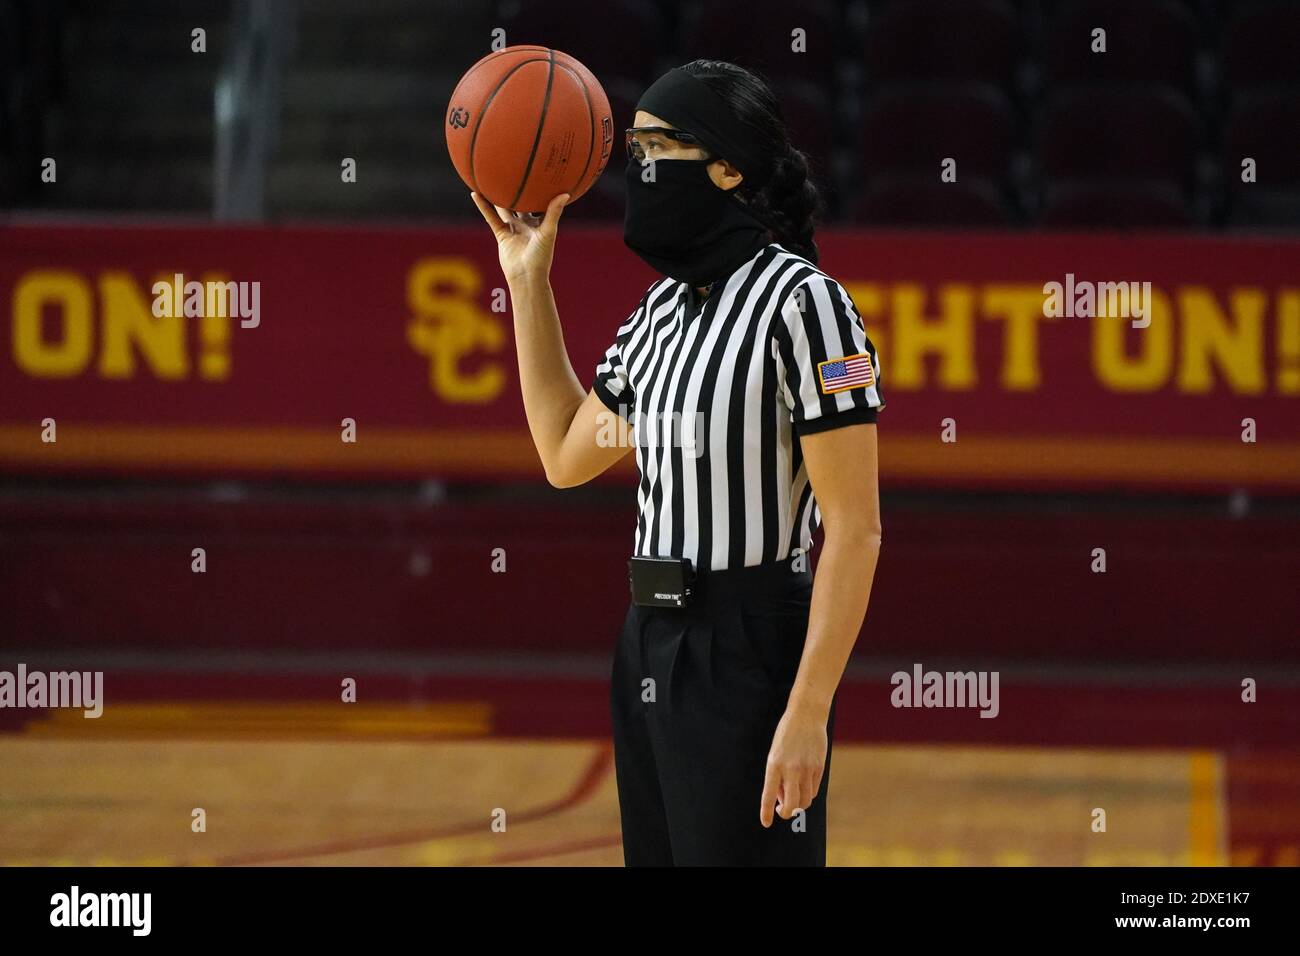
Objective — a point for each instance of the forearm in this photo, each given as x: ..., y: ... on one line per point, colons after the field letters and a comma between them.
x: 551, y: 390
x: 841, y: 592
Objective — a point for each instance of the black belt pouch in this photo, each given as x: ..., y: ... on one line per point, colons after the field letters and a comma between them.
x: 660, y: 582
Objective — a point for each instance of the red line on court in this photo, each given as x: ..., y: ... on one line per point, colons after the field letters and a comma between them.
x: 1263, y: 808
x: 585, y: 787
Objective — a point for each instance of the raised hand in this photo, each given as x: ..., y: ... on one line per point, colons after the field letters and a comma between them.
x: 525, y: 245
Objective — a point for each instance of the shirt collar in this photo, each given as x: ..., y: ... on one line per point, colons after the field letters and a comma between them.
x: 718, y: 285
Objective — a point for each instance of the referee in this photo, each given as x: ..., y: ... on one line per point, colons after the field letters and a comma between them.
x: 747, y: 384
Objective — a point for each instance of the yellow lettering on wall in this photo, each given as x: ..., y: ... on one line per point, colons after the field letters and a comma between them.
x: 128, y: 323
x: 1208, y: 338
x: 67, y: 295
x: 448, y: 326
x: 950, y: 336
x: 1149, y: 369
x: 213, y: 347
x: 1021, y: 308
x: 1288, y: 342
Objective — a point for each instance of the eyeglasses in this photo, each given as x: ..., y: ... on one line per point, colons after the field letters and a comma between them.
x: 636, y: 150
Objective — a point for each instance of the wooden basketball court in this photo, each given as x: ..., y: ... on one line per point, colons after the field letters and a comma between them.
x: 396, y: 785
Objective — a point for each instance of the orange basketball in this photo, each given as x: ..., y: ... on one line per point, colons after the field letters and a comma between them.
x: 527, y: 123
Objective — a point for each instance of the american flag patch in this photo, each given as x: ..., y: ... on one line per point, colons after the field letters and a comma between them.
x: 852, y: 371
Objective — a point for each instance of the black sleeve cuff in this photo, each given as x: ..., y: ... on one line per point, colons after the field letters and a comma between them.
x: 823, y: 423
x: 619, y: 405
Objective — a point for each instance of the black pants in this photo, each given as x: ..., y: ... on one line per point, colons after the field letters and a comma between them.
x: 696, y: 695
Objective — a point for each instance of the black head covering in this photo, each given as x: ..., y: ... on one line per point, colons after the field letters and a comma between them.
x: 688, y: 103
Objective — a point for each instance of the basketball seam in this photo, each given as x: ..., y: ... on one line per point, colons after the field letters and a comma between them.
x: 482, y: 114
x: 541, y: 123
x: 591, y: 117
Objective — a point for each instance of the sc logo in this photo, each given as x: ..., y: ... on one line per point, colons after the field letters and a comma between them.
x: 459, y: 118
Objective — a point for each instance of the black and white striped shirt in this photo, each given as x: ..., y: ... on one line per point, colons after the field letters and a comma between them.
x: 718, y: 390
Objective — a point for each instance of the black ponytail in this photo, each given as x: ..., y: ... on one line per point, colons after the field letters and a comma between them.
x: 786, y: 197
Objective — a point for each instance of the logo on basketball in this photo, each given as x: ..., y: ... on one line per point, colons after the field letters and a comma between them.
x: 606, y: 137
x: 459, y: 118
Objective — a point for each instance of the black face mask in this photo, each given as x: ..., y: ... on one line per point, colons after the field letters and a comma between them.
x: 684, y: 226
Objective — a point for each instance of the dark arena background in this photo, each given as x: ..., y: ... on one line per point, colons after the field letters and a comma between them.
x: 343, y: 619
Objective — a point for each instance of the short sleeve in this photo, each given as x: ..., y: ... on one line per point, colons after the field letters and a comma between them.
x: 829, y: 371
x: 611, y: 383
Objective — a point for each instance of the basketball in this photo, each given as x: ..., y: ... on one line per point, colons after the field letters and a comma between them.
x: 526, y: 124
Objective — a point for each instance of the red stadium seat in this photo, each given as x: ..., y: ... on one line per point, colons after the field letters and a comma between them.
x: 622, y: 37
x: 756, y: 34
x: 810, y: 118
x: 1265, y: 125
x: 1111, y: 205
x: 910, y: 127
x: 944, y: 39
x: 604, y: 202
x: 623, y: 92
x: 912, y: 200
x: 1265, y: 209
x: 1121, y: 132
x: 1153, y: 41
x: 1261, y: 43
